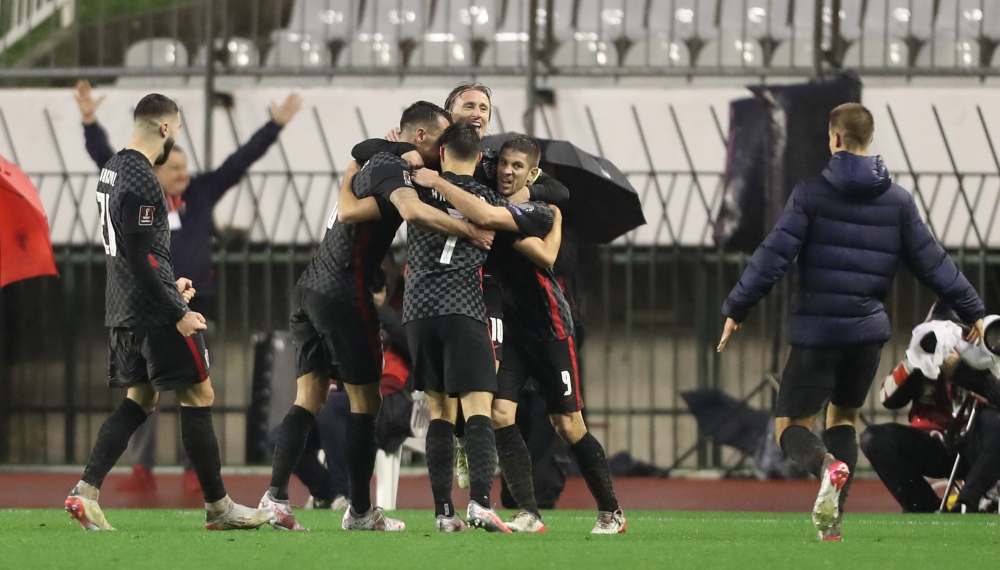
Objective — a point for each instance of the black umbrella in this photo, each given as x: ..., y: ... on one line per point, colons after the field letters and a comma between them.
x: 602, y: 202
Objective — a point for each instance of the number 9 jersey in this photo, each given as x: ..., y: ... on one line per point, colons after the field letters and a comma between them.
x: 131, y: 200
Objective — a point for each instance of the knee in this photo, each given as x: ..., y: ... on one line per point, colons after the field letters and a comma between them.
x: 503, y: 417
x: 366, y: 399
x: 569, y: 427
x: 205, y: 397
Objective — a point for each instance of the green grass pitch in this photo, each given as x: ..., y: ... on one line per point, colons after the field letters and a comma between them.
x: 154, y: 539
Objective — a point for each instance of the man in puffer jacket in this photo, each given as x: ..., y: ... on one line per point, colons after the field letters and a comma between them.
x: 850, y: 228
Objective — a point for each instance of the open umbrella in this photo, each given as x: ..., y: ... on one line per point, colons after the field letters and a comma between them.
x: 25, y: 249
x: 602, y: 202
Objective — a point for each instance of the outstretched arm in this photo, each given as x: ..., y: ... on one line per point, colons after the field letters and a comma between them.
x: 475, y: 210
x: 930, y: 263
x: 771, y: 260
x: 768, y: 264
x: 230, y: 172
x: 95, y: 137
x: 415, y: 212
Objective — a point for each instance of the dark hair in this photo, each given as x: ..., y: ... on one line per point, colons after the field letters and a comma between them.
x: 422, y: 114
x: 461, y: 140
x: 854, y: 123
x: 466, y: 86
x: 378, y: 280
x: 525, y: 144
x: 155, y: 106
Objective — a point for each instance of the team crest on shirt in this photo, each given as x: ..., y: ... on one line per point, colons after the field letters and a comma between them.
x: 146, y: 215
x: 406, y: 178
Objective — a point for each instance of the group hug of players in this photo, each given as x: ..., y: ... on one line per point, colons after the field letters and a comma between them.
x: 483, y: 233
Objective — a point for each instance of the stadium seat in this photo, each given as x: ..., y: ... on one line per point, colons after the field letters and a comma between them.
x: 156, y: 52
x: 234, y: 52
x: 159, y: 53
x: 385, y: 37
x: 291, y: 49
x: 387, y: 464
x: 509, y: 44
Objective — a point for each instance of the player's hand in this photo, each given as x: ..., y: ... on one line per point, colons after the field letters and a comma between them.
x: 284, y: 113
x: 727, y: 331
x: 186, y: 288
x: 393, y: 134
x: 978, y: 333
x: 483, y: 239
x: 556, y: 214
x: 950, y: 363
x: 414, y: 159
x: 191, y: 323
x: 85, y: 100
x: 426, y: 177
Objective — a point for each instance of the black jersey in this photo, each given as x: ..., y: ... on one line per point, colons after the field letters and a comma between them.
x: 535, y: 307
x: 444, y: 273
x: 347, y: 258
x: 130, y: 200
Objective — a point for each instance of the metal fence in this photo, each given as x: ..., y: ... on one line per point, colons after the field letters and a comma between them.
x: 651, y: 322
x: 330, y: 38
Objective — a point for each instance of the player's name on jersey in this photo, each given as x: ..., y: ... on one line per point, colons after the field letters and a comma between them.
x: 440, y: 198
x: 108, y: 176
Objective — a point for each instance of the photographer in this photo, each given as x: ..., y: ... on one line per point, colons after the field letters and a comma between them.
x: 937, y: 374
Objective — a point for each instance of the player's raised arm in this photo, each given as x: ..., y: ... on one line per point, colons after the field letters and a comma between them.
x: 475, y: 210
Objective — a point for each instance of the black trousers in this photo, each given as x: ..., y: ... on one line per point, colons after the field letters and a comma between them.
x: 902, y: 456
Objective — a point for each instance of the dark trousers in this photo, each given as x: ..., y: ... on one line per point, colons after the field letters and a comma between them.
x: 902, y: 456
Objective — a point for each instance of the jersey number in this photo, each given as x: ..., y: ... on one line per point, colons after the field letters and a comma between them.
x: 496, y: 330
x: 568, y: 381
x: 107, y: 230
x: 449, y: 250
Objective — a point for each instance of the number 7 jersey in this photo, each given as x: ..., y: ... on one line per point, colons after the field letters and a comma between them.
x: 444, y: 273
x: 130, y: 200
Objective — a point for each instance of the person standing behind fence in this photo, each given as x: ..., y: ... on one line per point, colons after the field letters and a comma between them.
x: 850, y: 227
x: 191, y: 200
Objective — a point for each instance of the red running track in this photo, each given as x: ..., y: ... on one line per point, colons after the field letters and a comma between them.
x: 48, y: 490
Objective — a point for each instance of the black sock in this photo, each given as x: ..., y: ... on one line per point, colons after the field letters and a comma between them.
x: 440, y: 448
x: 589, y: 455
x: 515, y: 465
x: 805, y: 448
x: 112, y: 440
x: 842, y: 442
x: 460, y: 424
x: 481, y: 448
x: 199, y: 440
x: 291, y: 442
x: 361, y: 450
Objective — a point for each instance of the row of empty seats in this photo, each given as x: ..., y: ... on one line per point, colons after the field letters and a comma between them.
x: 631, y: 33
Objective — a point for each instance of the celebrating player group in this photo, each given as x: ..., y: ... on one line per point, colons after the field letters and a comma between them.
x: 484, y: 230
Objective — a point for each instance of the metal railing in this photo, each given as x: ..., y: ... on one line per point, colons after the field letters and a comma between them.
x: 19, y: 17
x: 328, y: 38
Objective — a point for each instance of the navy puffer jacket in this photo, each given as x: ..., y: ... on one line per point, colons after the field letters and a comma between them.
x: 850, y: 228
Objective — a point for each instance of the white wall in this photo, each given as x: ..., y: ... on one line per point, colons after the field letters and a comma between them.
x: 621, y: 118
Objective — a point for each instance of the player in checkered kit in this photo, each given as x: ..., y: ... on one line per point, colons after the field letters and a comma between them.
x: 334, y: 324
x: 539, y: 332
x: 445, y: 320
x: 154, y: 340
